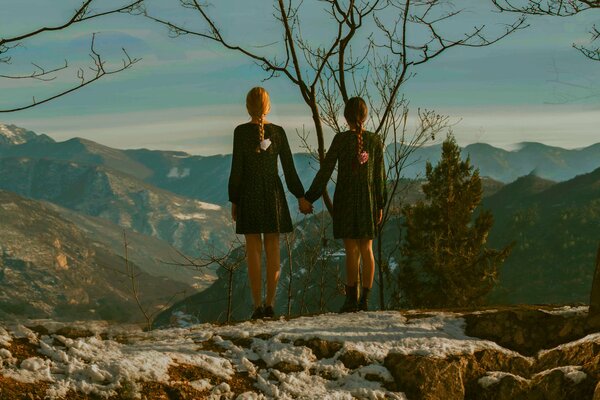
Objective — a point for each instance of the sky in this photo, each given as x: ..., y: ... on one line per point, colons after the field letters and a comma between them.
x: 188, y: 94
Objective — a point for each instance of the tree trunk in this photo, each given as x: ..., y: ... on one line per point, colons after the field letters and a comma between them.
x: 229, y: 295
x: 289, y: 249
x: 314, y: 108
x: 595, y: 295
x: 380, y: 270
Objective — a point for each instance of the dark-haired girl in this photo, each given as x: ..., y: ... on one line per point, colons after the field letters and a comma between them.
x: 360, y: 194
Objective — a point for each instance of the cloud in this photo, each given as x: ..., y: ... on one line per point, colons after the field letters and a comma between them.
x: 208, y: 130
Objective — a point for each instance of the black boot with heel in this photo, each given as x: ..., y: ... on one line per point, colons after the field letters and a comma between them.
x: 350, y: 305
x: 363, y: 303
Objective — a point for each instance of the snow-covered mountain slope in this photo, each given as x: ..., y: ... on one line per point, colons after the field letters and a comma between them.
x: 99, y: 191
x: 11, y: 135
x: 375, y: 355
x: 52, y: 268
x: 151, y: 254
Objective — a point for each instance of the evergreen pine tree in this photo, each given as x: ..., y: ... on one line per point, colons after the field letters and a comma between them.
x: 445, y: 259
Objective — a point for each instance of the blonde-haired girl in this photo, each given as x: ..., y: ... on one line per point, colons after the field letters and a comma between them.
x: 360, y: 194
x: 259, y: 207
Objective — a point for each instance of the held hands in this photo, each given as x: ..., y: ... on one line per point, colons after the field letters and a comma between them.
x: 305, y: 206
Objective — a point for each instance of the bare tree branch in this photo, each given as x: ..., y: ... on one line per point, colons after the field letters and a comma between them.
x: 557, y: 8
x: 81, y: 14
x: 98, y: 71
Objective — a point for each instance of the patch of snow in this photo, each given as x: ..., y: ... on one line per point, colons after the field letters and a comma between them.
x: 568, y: 310
x: 376, y: 333
x: 251, y: 396
x: 5, y: 353
x: 177, y: 174
x: 591, y: 338
x: 576, y: 376
x: 193, y: 216
x: 201, y: 385
x: 328, y: 253
x: 5, y: 338
x: 95, y: 366
x: 273, y: 352
x: 22, y: 332
x: 493, y: 377
x: 207, y: 206
x: 571, y: 372
x: 376, y: 370
x: 13, y: 134
x: 100, y: 367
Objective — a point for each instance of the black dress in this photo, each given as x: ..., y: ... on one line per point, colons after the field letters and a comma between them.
x: 360, y: 190
x: 254, y: 184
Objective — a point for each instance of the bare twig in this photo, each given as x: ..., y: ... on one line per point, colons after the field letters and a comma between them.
x: 81, y: 14
x: 557, y: 8
x: 98, y: 71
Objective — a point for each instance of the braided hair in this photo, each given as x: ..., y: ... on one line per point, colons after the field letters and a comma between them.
x: 258, y: 105
x: 356, y: 113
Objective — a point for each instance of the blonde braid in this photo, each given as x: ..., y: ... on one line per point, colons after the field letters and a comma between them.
x: 261, y: 128
x: 261, y: 132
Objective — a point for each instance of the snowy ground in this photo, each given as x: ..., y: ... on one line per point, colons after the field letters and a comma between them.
x: 249, y: 360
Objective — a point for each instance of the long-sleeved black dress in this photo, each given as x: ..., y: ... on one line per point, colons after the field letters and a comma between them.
x: 360, y: 190
x: 254, y: 184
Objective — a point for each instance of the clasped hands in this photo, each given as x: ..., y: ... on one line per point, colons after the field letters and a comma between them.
x: 305, y: 206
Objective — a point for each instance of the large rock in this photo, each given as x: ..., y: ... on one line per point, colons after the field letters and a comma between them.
x: 563, y: 373
x: 594, y: 313
x: 427, y: 378
x: 526, y: 330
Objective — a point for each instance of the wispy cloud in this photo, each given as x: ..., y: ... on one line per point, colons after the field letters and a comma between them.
x: 208, y: 130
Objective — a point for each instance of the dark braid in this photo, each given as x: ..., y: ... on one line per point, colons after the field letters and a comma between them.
x: 359, y: 138
x: 356, y: 113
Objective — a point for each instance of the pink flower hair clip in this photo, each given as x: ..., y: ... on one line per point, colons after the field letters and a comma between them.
x: 363, y: 157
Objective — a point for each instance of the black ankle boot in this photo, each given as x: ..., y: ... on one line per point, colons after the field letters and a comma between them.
x: 268, y: 312
x: 350, y: 304
x: 363, y: 303
x: 258, y: 313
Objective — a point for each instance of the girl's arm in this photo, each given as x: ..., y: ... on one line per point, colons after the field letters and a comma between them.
x: 320, y: 182
x: 237, y: 168
x: 289, y: 170
x: 379, y: 176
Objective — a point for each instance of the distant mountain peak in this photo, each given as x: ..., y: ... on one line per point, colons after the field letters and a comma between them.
x: 12, y: 135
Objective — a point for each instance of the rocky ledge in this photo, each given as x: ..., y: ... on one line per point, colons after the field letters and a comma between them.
x: 510, y: 353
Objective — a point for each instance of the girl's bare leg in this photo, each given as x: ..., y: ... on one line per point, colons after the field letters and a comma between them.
x: 253, y: 257
x: 368, y: 262
x: 352, y: 261
x: 273, y: 265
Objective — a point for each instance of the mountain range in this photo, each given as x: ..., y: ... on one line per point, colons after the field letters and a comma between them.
x: 205, y: 177
x: 169, y: 200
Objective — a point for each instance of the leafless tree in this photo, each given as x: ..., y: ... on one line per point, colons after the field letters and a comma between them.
x: 229, y: 260
x: 415, y: 37
x: 558, y: 8
x: 98, y: 68
x: 290, y: 238
x: 132, y: 275
x: 375, y: 48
